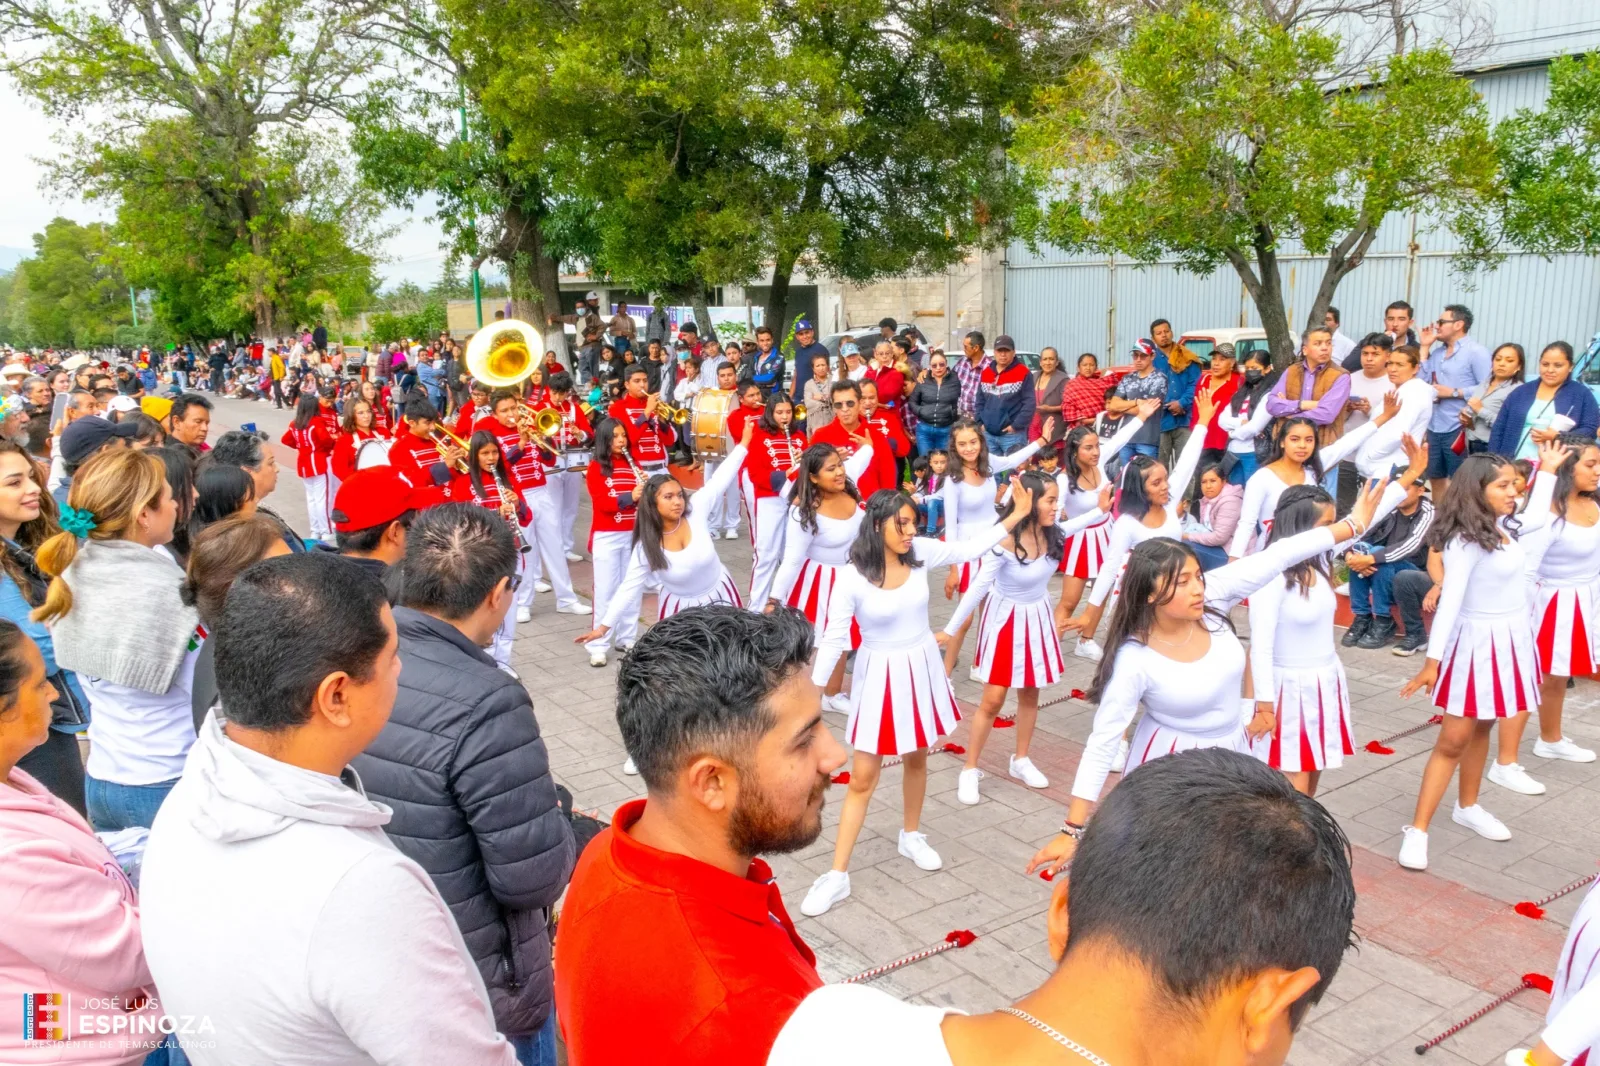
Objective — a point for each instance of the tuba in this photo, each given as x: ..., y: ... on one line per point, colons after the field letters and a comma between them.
x: 502, y: 354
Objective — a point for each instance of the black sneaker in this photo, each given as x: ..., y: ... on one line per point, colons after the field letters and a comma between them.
x: 1358, y: 629
x: 1411, y: 643
x: 1378, y: 634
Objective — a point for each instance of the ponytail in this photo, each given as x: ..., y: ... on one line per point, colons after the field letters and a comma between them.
x: 53, y: 557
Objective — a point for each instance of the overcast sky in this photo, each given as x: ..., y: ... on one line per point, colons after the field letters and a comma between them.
x: 413, y: 252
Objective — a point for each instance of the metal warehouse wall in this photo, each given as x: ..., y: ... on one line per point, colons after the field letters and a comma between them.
x: 1086, y: 304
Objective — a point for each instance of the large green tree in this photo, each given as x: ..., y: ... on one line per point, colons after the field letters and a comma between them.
x: 1220, y: 132
x: 213, y: 98
x: 70, y: 293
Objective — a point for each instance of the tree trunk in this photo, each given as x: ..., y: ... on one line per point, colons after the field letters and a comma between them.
x: 1265, y: 287
x: 534, y: 274
x: 787, y: 255
x: 1343, y: 258
x: 702, y: 314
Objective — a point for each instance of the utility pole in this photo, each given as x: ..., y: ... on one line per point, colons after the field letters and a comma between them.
x: 133, y: 305
x: 477, y: 280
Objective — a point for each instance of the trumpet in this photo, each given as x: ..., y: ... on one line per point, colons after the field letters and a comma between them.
x: 799, y: 412
x: 538, y: 425
x: 676, y: 415
x: 442, y: 438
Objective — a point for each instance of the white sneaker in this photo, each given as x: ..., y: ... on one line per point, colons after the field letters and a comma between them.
x: 832, y: 887
x: 1481, y: 822
x: 975, y: 674
x: 524, y: 614
x: 1515, y: 778
x: 1120, y: 763
x: 1562, y: 749
x: 1517, y: 1056
x: 630, y: 767
x: 541, y: 585
x: 914, y: 846
x: 838, y: 703
x: 1023, y: 770
x: 966, y: 791
x: 732, y: 534
x: 597, y: 658
x: 575, y: 607
x: 574, y: 557
x: 1088, y: 649
x: 1414, y: 849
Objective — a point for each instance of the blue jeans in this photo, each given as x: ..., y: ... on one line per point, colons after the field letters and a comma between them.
x: 1130, y: 450
x: 113, y: 806
x: 932, y: 438
x: 1378, y: 589
x: 1330, y: 481
x: 930, y: 513
x: 1244, y: 465
x: 1442, y: 462
x: 537, y: 1049
x: 1210, y: 555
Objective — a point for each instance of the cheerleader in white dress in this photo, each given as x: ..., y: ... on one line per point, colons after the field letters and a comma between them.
x: 672, y: 542
x: 1083, y: 473
x: 1294, y: 666
x: 1481, y: 663
x: 1172, y: 651
x: 821, y: 524
x: 900, y: 698
x: 969, y: 494
x: 1296, y: 461
x: 1018, y: 645
x: 1565, y: 554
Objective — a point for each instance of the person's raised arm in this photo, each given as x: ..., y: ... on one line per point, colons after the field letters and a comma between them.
x: 977, y: 589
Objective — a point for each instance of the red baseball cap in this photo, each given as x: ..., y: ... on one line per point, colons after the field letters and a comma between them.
x: 374, y: 497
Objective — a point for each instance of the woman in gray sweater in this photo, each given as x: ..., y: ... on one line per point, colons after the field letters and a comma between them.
x: 1483, y: 405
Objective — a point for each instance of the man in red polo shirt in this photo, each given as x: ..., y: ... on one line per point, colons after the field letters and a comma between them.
x: 675, y: 946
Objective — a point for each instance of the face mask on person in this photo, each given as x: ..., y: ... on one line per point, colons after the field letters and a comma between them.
x: 1253, y: 376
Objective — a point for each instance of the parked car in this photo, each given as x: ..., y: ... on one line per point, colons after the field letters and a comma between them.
x: 1203, y: 342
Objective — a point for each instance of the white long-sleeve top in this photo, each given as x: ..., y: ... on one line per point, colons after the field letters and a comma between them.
x: 1573, y: 1022
x: 1488, y: 583
x: 830, y: 544
x: 1562, y: 554
x: 1382, y: 452
x: 1261, y: 492
x: 1013, y: 580
x: 1127, y: 531
x: 969, y: 509
x: 1074, y: 502
x: 693, y: 571
x: 891, y: 618
x: 1199, y: 698
x: 1243, y: 428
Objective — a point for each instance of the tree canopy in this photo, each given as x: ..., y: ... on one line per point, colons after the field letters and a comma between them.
x: 70, y: 293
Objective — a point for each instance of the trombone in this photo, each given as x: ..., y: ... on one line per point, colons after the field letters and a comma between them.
x: 442, y: 438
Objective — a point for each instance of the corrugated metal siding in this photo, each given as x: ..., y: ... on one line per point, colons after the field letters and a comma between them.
x: 1079, y: 303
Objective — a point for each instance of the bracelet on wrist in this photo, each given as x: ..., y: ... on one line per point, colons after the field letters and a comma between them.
x: 1072, y: 829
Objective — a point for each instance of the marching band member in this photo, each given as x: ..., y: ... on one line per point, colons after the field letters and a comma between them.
x: 572, y: 440
x: 1171, y: 650
x: 751, y: 407
x: 473, y: 411
x: 969, y: 500
x: 488, y: 482
x: 614, y: 489
x: 775, y: 450
x: 845, y: 432
x: 1299, y: 681
x: 542, y: 534
x: 885, y: 419
x: 534, y: 390
x: 900, y: 697
x: 1481, y: 663
x: 1018, y: 647
x: 649, y: 435
x: 722, y: 512
x: 673, y: 542
x: 308, y: 435
x: 356, y: 428
x: 416, y: 457
x: 1565, y: 554
x: 1078, y: 485
x: 381, y: 425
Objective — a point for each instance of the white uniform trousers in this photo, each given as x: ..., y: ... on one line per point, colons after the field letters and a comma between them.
x: 544, y: 533
x: 320, y: 490
x: 724, y: 514
x: 747, y: 495
x: 772, y: 516
x: 500, y: 647
x: 568, y: 486
x: 611, y: 550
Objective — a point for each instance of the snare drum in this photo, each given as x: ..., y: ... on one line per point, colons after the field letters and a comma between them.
x: 708, y: 422
x: 374, y: 452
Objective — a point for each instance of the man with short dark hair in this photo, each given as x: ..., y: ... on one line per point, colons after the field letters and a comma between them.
x: 649, y: 435
x: 463, y: 766
x: 1209, y: 908
x: 674, y: 936
x: 1182, y: 368
x: 1316, y: 388
x: 766, y: 363
x: 271, y: 903
x: 189, y: 421
x: 1454, y: 364
x: 246, y: 451
x: 849, y: 432
x: 969, y: 371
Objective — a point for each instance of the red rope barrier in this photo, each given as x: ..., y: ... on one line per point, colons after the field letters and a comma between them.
x: 1535, y: 908
x: 1529, y: 980
x: 1381, y: 745
x: 843, y: 776
x: 958, y: 938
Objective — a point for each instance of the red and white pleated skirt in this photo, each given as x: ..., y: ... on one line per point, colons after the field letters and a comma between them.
x: 1566, y: 639
x: 1152, y: 739
x: 1313, y: 711
x: 813, y: 595
x: 724, y: 591
x: 1086, y: 550
x: 1490, y: 668
x: 1017, y: 644
x: 900, y: 698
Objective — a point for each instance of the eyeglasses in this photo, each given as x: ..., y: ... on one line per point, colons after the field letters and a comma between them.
x: 1446, y: 321
x: 516, y: 582
x: 843, y: 405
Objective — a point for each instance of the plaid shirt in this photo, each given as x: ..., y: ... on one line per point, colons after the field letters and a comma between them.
x: 970, y: 376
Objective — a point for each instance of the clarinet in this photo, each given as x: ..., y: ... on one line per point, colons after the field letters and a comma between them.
x: 508, y: 510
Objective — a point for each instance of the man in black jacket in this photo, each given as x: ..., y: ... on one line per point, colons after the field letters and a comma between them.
x: 463, y: 766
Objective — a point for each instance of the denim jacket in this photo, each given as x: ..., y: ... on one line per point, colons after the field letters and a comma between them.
x: 70, y: 708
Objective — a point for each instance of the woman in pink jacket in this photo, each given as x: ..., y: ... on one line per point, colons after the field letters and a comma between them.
x: 70, y: 937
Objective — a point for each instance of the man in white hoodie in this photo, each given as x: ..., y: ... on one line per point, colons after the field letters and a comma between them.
x: 277, y: 914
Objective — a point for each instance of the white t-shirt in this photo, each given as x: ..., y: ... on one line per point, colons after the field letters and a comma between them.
x: 853, y: 1025
x: 1373, y: 390
x: 137, y: 737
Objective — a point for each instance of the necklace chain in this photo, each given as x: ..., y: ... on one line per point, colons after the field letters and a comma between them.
x: 1054, y: 1034
x: 1176, y: 643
